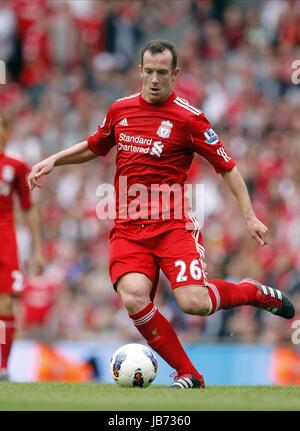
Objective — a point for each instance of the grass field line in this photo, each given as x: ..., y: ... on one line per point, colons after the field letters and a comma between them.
x: 95, y: 396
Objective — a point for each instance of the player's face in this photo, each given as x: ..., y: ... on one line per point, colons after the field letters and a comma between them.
x: 158, y: 76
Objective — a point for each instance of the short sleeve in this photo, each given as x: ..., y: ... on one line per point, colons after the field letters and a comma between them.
x: 102, y: 140
x: 22, y: 187
x: 206, y: 143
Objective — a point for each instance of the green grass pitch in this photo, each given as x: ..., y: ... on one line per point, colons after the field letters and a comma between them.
x: 94, y: 396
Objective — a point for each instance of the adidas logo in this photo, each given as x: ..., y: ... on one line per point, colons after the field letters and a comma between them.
x: 124, y: 122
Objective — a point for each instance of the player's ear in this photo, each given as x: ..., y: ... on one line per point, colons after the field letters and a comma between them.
x: 175, y: 73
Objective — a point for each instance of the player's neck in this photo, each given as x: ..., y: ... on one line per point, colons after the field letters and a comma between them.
x: 159, y: 102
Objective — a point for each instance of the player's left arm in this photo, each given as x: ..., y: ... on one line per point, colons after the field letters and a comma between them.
x: 206, y: 143
x: 236, y: 184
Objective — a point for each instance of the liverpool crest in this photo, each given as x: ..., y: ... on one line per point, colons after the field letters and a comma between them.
x: 164, y: 130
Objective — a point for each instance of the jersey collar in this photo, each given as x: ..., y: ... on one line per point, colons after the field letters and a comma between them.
x: 171, y: 97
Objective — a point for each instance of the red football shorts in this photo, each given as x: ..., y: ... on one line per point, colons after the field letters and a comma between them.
x: 11, y: 279
x: 147, y: 248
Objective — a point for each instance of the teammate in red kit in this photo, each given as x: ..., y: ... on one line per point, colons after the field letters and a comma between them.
x: 13, y: 180
x: 157, y: 134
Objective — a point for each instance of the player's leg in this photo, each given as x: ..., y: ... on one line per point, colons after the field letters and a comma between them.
x: 7, y: 325
x: 221, y: 295
x: 11, y: 286
x: 134, y: 290
x: 186, y: 269
x: 134, y: 273
x: 250, y: 292
x: 181, y: 257
x: 183, y: 265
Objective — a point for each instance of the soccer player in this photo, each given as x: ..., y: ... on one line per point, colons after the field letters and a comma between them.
x: 13, y: 181
x: 156, y: 134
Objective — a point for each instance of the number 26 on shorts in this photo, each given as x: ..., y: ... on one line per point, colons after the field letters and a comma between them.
x: 194, y: 269
x: 17, y: 281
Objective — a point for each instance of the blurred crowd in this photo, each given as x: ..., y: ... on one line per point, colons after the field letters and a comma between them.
x: 67, y: 60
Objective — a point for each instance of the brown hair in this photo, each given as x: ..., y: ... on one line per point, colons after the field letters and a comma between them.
x: 158, y: 46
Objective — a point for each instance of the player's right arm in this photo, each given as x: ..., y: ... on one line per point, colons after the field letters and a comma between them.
x: 97, y: 144
x: 78, y: 153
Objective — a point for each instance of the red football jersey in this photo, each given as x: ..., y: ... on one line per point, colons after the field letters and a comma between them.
x: 156, y: 145
x: 13, y: 180
x: 38, y: 300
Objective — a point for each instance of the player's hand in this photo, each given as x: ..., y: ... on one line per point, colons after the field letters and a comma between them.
x: 37, y: 264
x: 257, y: 230
x: 42, y: 168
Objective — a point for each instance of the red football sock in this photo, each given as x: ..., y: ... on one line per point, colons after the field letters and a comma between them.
x: 8, y: 332
x: 161, y: 336
x: 228, y: 295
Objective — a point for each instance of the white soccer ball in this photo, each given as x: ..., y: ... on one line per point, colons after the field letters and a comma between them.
x: 133, y: 365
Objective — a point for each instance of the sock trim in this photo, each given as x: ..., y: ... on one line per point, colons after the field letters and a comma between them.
x: 146, y: 318
x: 217, y: 295
x: 210, y: 306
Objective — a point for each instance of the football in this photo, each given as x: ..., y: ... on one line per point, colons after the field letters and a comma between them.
x: 133, y: 366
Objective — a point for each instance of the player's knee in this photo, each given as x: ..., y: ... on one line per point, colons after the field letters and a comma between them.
x: 194, y: 300
x: 133, y: 301
x: 6, y: 305
x: 134, y: 297
x: 195, y: 308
